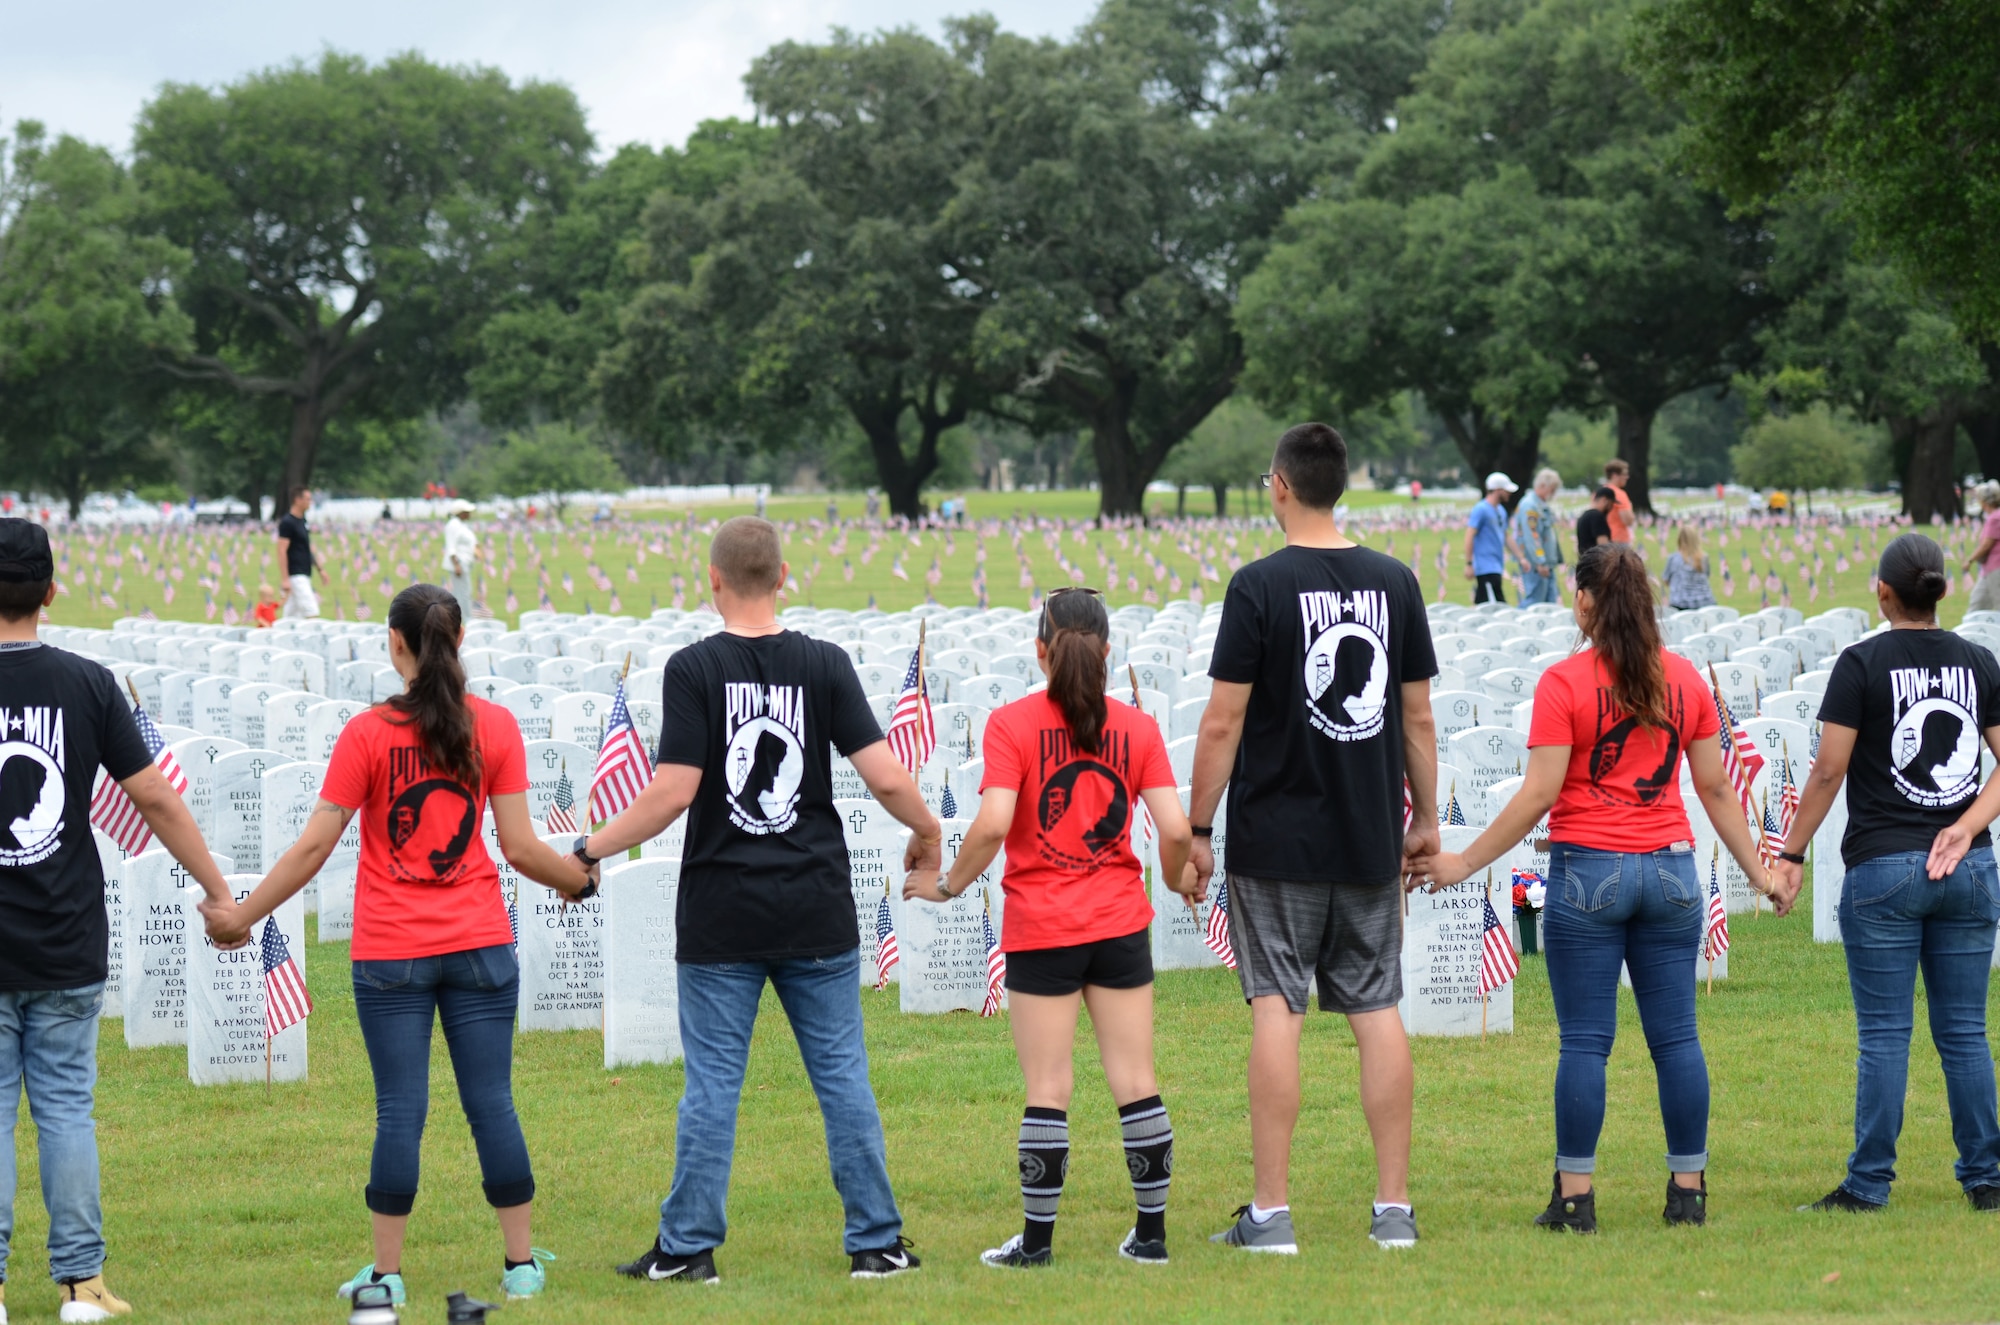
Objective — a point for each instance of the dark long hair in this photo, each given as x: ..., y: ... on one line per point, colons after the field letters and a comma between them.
x: 434, y: 701
x: 1075, y: 630
x: 1624, y: 630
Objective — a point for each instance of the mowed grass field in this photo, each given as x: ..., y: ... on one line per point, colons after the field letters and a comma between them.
x: 227, y: 1205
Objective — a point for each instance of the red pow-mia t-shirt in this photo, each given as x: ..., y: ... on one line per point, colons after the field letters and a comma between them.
x: 1623, y: 788
x: 1071, y: 875
x: 425, y: 884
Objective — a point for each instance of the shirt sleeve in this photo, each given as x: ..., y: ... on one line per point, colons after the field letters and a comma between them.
x: 1551, y: 722
x: 1238, y: 655
x: 683, y: 715
x: 1002, y: 753
x: 503, y: 755
x: 1845, y: 691
x: 854, y: 725
x: 1419, y: 653
x: 119, y: 747
x: 1154, y: 769
x: 350, y: 771
x: 1988, y: 672
x: 1707, y: 721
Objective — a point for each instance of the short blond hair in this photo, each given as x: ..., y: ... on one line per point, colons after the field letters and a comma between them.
x: 748, y: 554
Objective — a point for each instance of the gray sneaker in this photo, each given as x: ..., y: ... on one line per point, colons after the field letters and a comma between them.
x: 1393, y: 1228
x: 1273, y: 1235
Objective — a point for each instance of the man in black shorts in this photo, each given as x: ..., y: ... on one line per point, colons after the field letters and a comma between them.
x: 1321, y: 709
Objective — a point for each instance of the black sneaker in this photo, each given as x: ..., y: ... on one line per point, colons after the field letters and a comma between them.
x: 1687, y: 1205
x: 1983, y: 1198
x: 1146, y: 1253
x: 656, y: 1265
x: 1841, y: 1200
x: 1011, y: 1255
x: 1569, y: 1214
x: 885, y: 1262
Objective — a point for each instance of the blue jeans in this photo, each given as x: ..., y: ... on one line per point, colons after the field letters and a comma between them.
x: 1894, y: 919
x: 49, y: 1039
x: 1538, y: 588
x: 822, y: 1000
x: 474, y: 994
x: 1645, y: 911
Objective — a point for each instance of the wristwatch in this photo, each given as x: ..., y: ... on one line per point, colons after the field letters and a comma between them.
x: 1795, y: 859
x: 1209, y: 831
x: 582, y: 851
x: 944, y: 887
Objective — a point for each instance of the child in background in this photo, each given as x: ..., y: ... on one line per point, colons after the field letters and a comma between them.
x: 266, y: 610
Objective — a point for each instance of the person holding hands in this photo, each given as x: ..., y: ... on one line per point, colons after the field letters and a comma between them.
x: 431, y: 936
x: 1069, y: 773
x: 1611, y: 726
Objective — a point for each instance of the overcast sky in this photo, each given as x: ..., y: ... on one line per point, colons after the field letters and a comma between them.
x: 644, y: 71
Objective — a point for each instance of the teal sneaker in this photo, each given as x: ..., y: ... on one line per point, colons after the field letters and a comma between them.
x: 524, y: 1281
x: 366, y: 1275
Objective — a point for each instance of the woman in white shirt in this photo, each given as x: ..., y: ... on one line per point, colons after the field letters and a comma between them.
x: 461, y: 545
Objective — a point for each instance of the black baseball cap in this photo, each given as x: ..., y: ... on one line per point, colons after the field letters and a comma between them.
x: 24, y: 553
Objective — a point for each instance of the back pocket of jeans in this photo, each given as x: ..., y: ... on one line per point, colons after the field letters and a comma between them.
x: 383, y: 974
x: 1590, y: 878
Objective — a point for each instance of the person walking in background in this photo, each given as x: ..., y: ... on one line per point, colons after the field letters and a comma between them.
x: 1616, y: 475
x: 1487, y: 541
x: 1077, y: 916
x: 1985, y: 558
x: 461, y: 550
x: 1685, y: 580
x: 431, y: 936
x: 1537, y: 543
x: 1320, y: 712
x: 295, y: 550
x: 1593, y: 527
x: 1611, y: 725
x: 1901, y: 723
x: 68, y: 721
x: 750, y: 717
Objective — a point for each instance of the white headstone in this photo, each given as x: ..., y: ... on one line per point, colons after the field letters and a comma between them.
x: 1454, y: 711
x: 197, y: 757
x: 1829, y: 871
x: 549, y: 762
x: 641, y: 976
x: 1489, y: 754
x: 239, y: 806
x: 1177, y: 927
x: 324, y: 722
x: 226, y: 1002
x: 1442, y: 934
x: 579, y: 718
x: 290, y: 792
x: 285, y: 722
x: 336, y: 886
x: 943, y: 944
x: 875, y: 845
x: 246, y: 711
x: 211, y: 710
x: 534, y: 707
x: 160, y: 917
x: 562, y: 959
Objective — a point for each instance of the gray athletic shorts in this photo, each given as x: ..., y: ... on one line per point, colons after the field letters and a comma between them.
x: 1347, y: 936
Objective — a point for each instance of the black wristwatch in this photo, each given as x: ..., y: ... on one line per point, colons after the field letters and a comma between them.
x: 1209, y: 831
x: 1796, y: 860
x: 582, y: 851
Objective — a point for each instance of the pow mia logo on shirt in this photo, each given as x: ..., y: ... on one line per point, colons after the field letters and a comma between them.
x: 1934, y: 746
x: 431, y: 821
x: 32, y: 794
x: 1347, y: 662
x: 1084, y: 812
x: 764, y: 757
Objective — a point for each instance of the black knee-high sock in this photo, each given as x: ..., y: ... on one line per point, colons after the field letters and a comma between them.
x: 1044, y: 1165
x: 1149, y: 1155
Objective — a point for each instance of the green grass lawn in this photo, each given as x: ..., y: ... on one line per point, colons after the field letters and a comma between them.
x: 228, y: 1205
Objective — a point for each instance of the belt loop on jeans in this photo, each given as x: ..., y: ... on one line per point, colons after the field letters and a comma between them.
x: 1680, y: 846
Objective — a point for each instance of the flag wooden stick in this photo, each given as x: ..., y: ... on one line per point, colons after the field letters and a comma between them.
x: 1485, y: 996
x: 627, y: 671
x: 135, y: 691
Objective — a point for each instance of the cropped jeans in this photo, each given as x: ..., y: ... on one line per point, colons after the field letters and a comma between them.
x: 1645, y: 912
x: 48, y: 1039
x: 1895, y: 919
x: 474, y: 994
x: 822, y: 1000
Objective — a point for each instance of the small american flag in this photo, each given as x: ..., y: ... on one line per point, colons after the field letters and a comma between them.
x: 1497, y: 962
x: 286, y: 1002
x: 1770, y: 839
x: 1788, y: 794
x: 1216, y: 932
x: 887, y: 954
x: 912, y: 734
x: 1454, y: 813
x: 562, y: 807
x: 623, y: 768
x: 996, y: 967
x: 947, y: 804
x: 112, y: 811
x: 1716, y: 940
x: 1741, y: 759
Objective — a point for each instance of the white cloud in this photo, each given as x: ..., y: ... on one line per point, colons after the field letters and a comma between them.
x: 646, y: 72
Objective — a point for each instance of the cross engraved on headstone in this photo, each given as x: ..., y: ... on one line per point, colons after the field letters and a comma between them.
x: 1493, y: 744
x: 257, y: 769
x: 301, y: 707
x: 1516, y: 683
x: 857, y: 821
x: 956, y: 838
x: 549, y: 758
x: 589, y: 708
x: 180, y: 875
x: 534, y: 701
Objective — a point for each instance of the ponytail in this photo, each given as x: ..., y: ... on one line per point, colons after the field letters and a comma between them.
x: 434, y: 701
x: 1624, y: 631
x: 1074, y: 632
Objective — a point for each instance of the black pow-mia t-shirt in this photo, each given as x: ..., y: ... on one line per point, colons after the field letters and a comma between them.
x: 764, y: 871
x: 1325, y: 637
x: 299, y: 552
x: 1919, y: 701
x: 61, y: 717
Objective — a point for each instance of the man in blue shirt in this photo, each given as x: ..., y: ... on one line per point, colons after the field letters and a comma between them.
x: 1537, y: 549
x: 1486, y: 541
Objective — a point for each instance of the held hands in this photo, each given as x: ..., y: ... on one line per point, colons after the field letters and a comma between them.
x: 925, y: 853
x: 1782, y: 883
x: 225, y: 924
x: 576, y: 878
x: 1192, y: 885
x: 1201, y: 859
x: 1437, y: 871
x: 922, y: 885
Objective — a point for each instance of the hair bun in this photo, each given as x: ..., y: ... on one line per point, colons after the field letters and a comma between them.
x: 1932, y: 581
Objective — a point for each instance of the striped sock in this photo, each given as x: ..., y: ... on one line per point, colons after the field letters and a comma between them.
x: 1044, y: 1165
x: 1149, y: 1155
